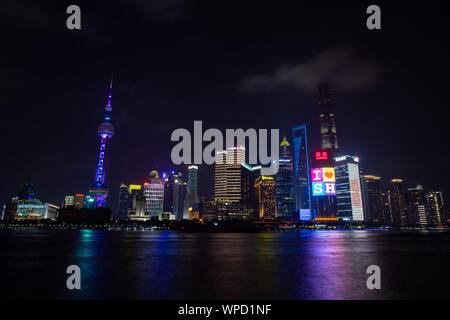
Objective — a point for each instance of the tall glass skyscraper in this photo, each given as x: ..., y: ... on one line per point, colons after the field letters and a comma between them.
x: 124, y: 202
x: 175, y: 194
x: 284, y: 181
x: 192, y: 178
x: 128, y: 202
x: 266, y: 197
x: 416, y: 207
x: 348, y: 188
x: 397, y: 203
x: 249, y: 174
x: 435, y: 204
x: 191, y: 200
x: 302, y: 192
x: 373, y: 201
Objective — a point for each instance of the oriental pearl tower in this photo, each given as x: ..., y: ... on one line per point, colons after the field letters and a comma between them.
x: 98, y: 193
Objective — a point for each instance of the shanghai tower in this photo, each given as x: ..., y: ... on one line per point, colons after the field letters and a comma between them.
x: 105, y: 130
x: 327, y: 120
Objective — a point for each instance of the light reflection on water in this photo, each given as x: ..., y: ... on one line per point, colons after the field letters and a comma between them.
x: 173, y: 265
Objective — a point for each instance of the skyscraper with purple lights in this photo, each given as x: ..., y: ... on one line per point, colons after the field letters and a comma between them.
x: 99, y: 192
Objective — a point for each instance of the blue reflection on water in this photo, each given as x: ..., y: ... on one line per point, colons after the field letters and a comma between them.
x: 173, y: 265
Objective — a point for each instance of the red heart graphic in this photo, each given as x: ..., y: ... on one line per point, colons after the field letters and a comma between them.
x: 329, y: 175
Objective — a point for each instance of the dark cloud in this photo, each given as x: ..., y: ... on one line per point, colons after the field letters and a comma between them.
x: 339, y: 66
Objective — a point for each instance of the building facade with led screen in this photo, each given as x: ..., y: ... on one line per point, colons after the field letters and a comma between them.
x: 302, y: 192
x: 323, y: 186
x: 348, y: 188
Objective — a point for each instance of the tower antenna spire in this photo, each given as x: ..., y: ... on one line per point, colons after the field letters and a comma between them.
x: 108, y: 105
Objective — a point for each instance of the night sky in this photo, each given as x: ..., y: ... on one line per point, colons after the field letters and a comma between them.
x: 231, y: 64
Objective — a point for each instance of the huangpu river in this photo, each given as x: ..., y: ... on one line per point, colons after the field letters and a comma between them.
x: 176, y: 265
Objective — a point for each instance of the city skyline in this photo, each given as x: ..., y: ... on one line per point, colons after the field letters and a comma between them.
x: 346, y: 210
x: 385, y: 119
x: 335, y: 190
x: 224, y: 158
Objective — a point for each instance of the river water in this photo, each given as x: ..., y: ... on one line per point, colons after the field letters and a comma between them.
x: 175, y: 265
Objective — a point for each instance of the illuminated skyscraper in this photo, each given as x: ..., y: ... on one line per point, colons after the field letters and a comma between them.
x: 323, y: 186
x: 373, y: 201
x: 327, y: 119
x: 249, y: 174
x: 227, y: 174
x: 175, y: 193
x: 348, y: 188
x: 192, y: 178
x: 266, y: 197
x: 123, y: 203
x: 285, y: 183
x: 154, y: 195
x: 302, y: 193
x: 397, y: 203
x: 435, y: 204
x: 169, y: 183
x: 191, y: 200
x: 99, y: 192
x: 416, y: 207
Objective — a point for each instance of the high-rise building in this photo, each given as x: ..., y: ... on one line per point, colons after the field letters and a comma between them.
x: 192, y: 201
x: 175, y: 196
x: 373, y: 201
x: 249, y: 174
x: 302, y: 193
x: 435, y: 204
x: 266, y: 197
x: 348, y: 188
x: 284, y: 181
x: 323, y: 186
x: 397, y: 203
x: 99, y: 192
x: 154, y: 195
x: 192, y: 179
x: 417, y: 214
x: 124, y: 203
x: 327, y: 118
x: 227, y: 174
x: 387, y: 208
x: 179, y: 196
x: 136, y: 204
x: 169, y: 182
x: 69, y: 202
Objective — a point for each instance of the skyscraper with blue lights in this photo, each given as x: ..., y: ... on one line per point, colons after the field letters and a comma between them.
x: 302, y: 192
x: 99, y: 192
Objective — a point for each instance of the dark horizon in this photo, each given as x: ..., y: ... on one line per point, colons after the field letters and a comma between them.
x: 231, y: 65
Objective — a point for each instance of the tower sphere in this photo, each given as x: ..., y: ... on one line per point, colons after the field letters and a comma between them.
x: 106, y: 129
